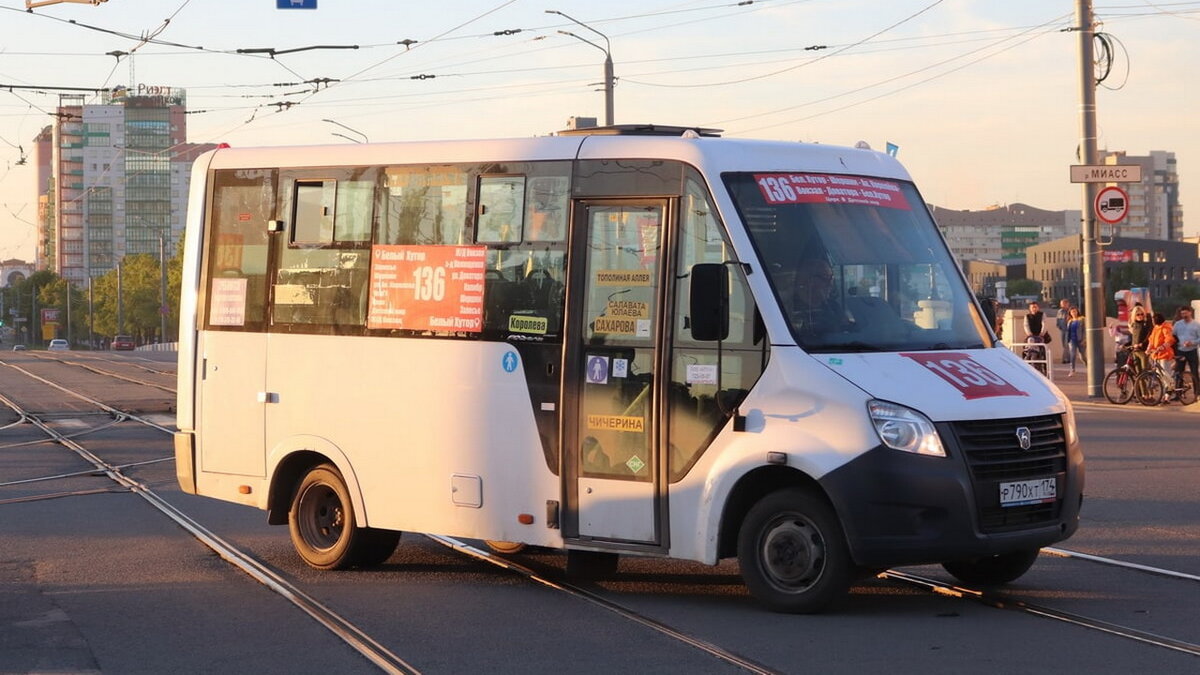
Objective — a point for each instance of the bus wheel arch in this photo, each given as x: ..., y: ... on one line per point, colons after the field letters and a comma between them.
x: 323, y: 526
x: 793, y: 552
x: 748, y: 490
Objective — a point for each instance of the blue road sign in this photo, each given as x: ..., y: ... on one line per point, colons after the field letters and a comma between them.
x: 295, y: 4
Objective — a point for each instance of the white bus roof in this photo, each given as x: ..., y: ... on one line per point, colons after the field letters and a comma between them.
x: 714, y: 155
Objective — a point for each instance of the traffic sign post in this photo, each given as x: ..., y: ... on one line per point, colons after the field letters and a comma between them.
x: 1111, y: 204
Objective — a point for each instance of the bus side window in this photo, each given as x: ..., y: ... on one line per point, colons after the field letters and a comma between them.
x: 320, y: 281
x: 423, y: 205
x: 524, y: 292
x: 243, y: 203
x: 701, y: 397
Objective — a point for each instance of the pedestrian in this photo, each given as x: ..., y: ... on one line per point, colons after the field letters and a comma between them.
x: 1187, y: 332
x: 1140, y: 328
x: 1162, y: 345
x: 1074, y: 338
x: 1064, y: 307
x: 1036, y: 338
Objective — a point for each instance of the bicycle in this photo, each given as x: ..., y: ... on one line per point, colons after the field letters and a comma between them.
x: 1119, y: 382
x: 1154, y: 386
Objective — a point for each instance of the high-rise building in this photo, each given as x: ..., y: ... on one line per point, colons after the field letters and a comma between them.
x: 1002, y: 232
x: 1155, y: 211
x: 118, y: 178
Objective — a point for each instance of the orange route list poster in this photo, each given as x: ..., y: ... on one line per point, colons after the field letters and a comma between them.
x: 427, y: 287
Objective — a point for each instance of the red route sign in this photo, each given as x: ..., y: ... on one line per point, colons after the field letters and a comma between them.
x: 971, y: 378
x: 826, y: 188
x: 438, y: 288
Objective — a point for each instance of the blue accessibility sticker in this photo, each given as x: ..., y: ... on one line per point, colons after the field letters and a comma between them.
x: 509, y: 362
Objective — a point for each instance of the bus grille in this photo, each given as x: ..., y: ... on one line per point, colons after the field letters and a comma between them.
x: 994, y: 455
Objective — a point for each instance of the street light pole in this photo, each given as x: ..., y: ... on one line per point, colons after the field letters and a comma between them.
x: 356, y: 131
x: 609, y: 79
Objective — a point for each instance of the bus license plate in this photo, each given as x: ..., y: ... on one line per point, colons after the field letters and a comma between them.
x: 1022, y: 492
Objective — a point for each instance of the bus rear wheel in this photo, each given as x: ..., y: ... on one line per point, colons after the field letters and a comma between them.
x: 793, y: 553
x: 324, y: 533
x: 992, y: 570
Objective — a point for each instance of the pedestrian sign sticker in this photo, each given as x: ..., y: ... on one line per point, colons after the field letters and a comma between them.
x: 597, y: 370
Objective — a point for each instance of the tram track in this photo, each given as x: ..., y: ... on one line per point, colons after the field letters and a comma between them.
x: 353, y: 636
x: 390, y: 662
x: 265, y: 575
x: 1004, y: 601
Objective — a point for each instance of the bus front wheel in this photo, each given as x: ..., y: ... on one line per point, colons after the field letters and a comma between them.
x: 321, y: 522
x: 793, y: 553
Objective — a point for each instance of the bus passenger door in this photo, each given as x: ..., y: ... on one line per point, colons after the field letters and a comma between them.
x: 612, y: 404
x: 232, y: 342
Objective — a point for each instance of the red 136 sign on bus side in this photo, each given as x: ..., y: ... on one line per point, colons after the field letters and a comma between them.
x: 970, y: 377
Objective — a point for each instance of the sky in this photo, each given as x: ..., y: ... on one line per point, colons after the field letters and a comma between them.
x: 981, y: 96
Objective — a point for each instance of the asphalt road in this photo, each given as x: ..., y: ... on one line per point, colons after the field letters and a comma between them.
x: 93, y: 579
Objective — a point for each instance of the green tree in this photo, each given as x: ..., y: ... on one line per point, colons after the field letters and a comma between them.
x: 1182, y: 297
x: 1024, y: 287
x: 56, y: 294
x: 1121, y: 277
x: 136, y: 311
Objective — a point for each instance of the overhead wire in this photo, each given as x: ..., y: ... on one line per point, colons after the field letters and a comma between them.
x: 885, y: 81
x: 761, y: 76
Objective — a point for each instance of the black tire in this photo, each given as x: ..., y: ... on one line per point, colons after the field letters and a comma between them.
x: 1118, y: 386
x: 377, y: 546
x: 585, y: 565
x: 1149, y: 389
x: 321, y: 522
x: 1187, y: 394
x: 993, y: 570
x: 793, y: 553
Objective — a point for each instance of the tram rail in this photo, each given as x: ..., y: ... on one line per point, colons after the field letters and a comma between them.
x: 390, y: 662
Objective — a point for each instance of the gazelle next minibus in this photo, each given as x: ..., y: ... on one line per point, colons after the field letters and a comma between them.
x: 630, y: 340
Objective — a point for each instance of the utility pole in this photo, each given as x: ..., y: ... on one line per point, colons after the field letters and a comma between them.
x: 70, y: 337
x: 1093, y: 257
x: 91, y: 315
x: 120, y: 302
x: 162, y: 289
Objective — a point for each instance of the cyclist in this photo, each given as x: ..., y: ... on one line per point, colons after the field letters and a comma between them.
x: 1140, y: 328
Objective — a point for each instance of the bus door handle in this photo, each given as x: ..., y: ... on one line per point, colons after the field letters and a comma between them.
x: 268, y: 397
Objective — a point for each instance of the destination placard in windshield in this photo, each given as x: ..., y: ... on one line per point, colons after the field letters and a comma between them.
x: 821, y: 188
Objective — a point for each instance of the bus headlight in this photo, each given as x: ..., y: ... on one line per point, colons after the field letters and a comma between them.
x: 1069, y: 422
x: 905, y: 429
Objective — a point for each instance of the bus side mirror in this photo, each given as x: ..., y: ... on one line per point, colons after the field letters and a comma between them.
x: 709, y: 302
x: 988, y: 306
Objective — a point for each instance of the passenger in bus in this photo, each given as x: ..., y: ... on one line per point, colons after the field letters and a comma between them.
x: 814, y: 307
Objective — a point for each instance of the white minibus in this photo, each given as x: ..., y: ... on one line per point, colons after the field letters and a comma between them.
x: 631, y: 340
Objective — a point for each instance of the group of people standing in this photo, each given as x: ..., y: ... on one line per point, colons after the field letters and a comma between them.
x: 1152, y: 337
x: 1171, y: 344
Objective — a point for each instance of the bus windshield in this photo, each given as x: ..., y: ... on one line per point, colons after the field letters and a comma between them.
x: 856, y: 263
